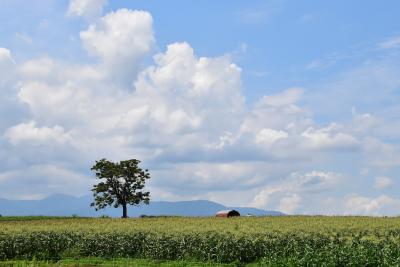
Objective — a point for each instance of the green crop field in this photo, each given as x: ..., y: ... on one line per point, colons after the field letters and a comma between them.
x: 271, y: 241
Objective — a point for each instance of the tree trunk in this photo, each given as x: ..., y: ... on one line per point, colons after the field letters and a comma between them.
x: 124, y: 211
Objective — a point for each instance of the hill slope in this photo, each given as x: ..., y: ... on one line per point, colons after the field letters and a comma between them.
x: 64, y: 205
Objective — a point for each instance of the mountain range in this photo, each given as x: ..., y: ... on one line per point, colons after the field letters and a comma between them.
x: 65, y: 205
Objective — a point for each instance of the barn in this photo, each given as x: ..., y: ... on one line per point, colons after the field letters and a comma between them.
x: 227, y: 213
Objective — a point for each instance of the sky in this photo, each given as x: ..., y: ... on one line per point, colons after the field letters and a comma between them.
x: 275, y: 104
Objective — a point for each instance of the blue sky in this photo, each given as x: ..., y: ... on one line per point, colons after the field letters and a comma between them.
x: 286, y: 105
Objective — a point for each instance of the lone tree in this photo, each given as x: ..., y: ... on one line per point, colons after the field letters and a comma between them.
x: 121, y: 185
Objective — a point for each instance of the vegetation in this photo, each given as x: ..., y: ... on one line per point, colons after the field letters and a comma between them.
x: 32, y: 218
x: 276, y: 241
x: 108, y: 263
x: 121, y: 184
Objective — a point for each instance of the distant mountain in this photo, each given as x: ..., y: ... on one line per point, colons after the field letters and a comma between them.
x: 64, y: 205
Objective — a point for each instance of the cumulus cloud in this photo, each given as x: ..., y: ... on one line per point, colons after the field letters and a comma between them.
x: 161, y: 118
x: 89, y: 9
x: 361, y: 205
x: 202, y: 176
x: 290, y: 203
x: 329, y: 137
x: 185, y: 116
x: 29, y: 132
x: 279, y: 112
x: 10, y: 109
x: 316, y: 193
x: 294, y: 193
x: 186, y: 113
x: 121, y: 39
x: 269, y: 136
x: 39, y: 68
x: 5, y: 56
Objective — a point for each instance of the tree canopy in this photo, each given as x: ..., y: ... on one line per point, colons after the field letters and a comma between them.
x: 121, y: 184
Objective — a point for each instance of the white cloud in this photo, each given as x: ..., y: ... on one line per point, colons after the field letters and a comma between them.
x: 311, y: 193
x: 202, y: 176
x: 329, y: 137
x: 269, y: 136
x: 186, y: 118
x: 288, y: 97
x: 294, y: 193
x: 49, y: 71
x: 39, y: 68
x: 189, y: 93
x: 5, y: 55
x: 7, y: 66
x: 277, y: 112
x: 28, y: 132
x: 10, y: 110
x: 166, y: 115
x: 289, y: 204
x: 382, y: 182
x: 364, y: 123
x: 382, y: 205
x: 89, y: 9
x: 55, y: 103
x: 121, y: 39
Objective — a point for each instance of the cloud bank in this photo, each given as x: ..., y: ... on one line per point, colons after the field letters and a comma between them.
x: 185, y: 116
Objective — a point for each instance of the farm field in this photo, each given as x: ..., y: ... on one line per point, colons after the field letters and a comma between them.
x: 274, y: 241
x: 108, y: 263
